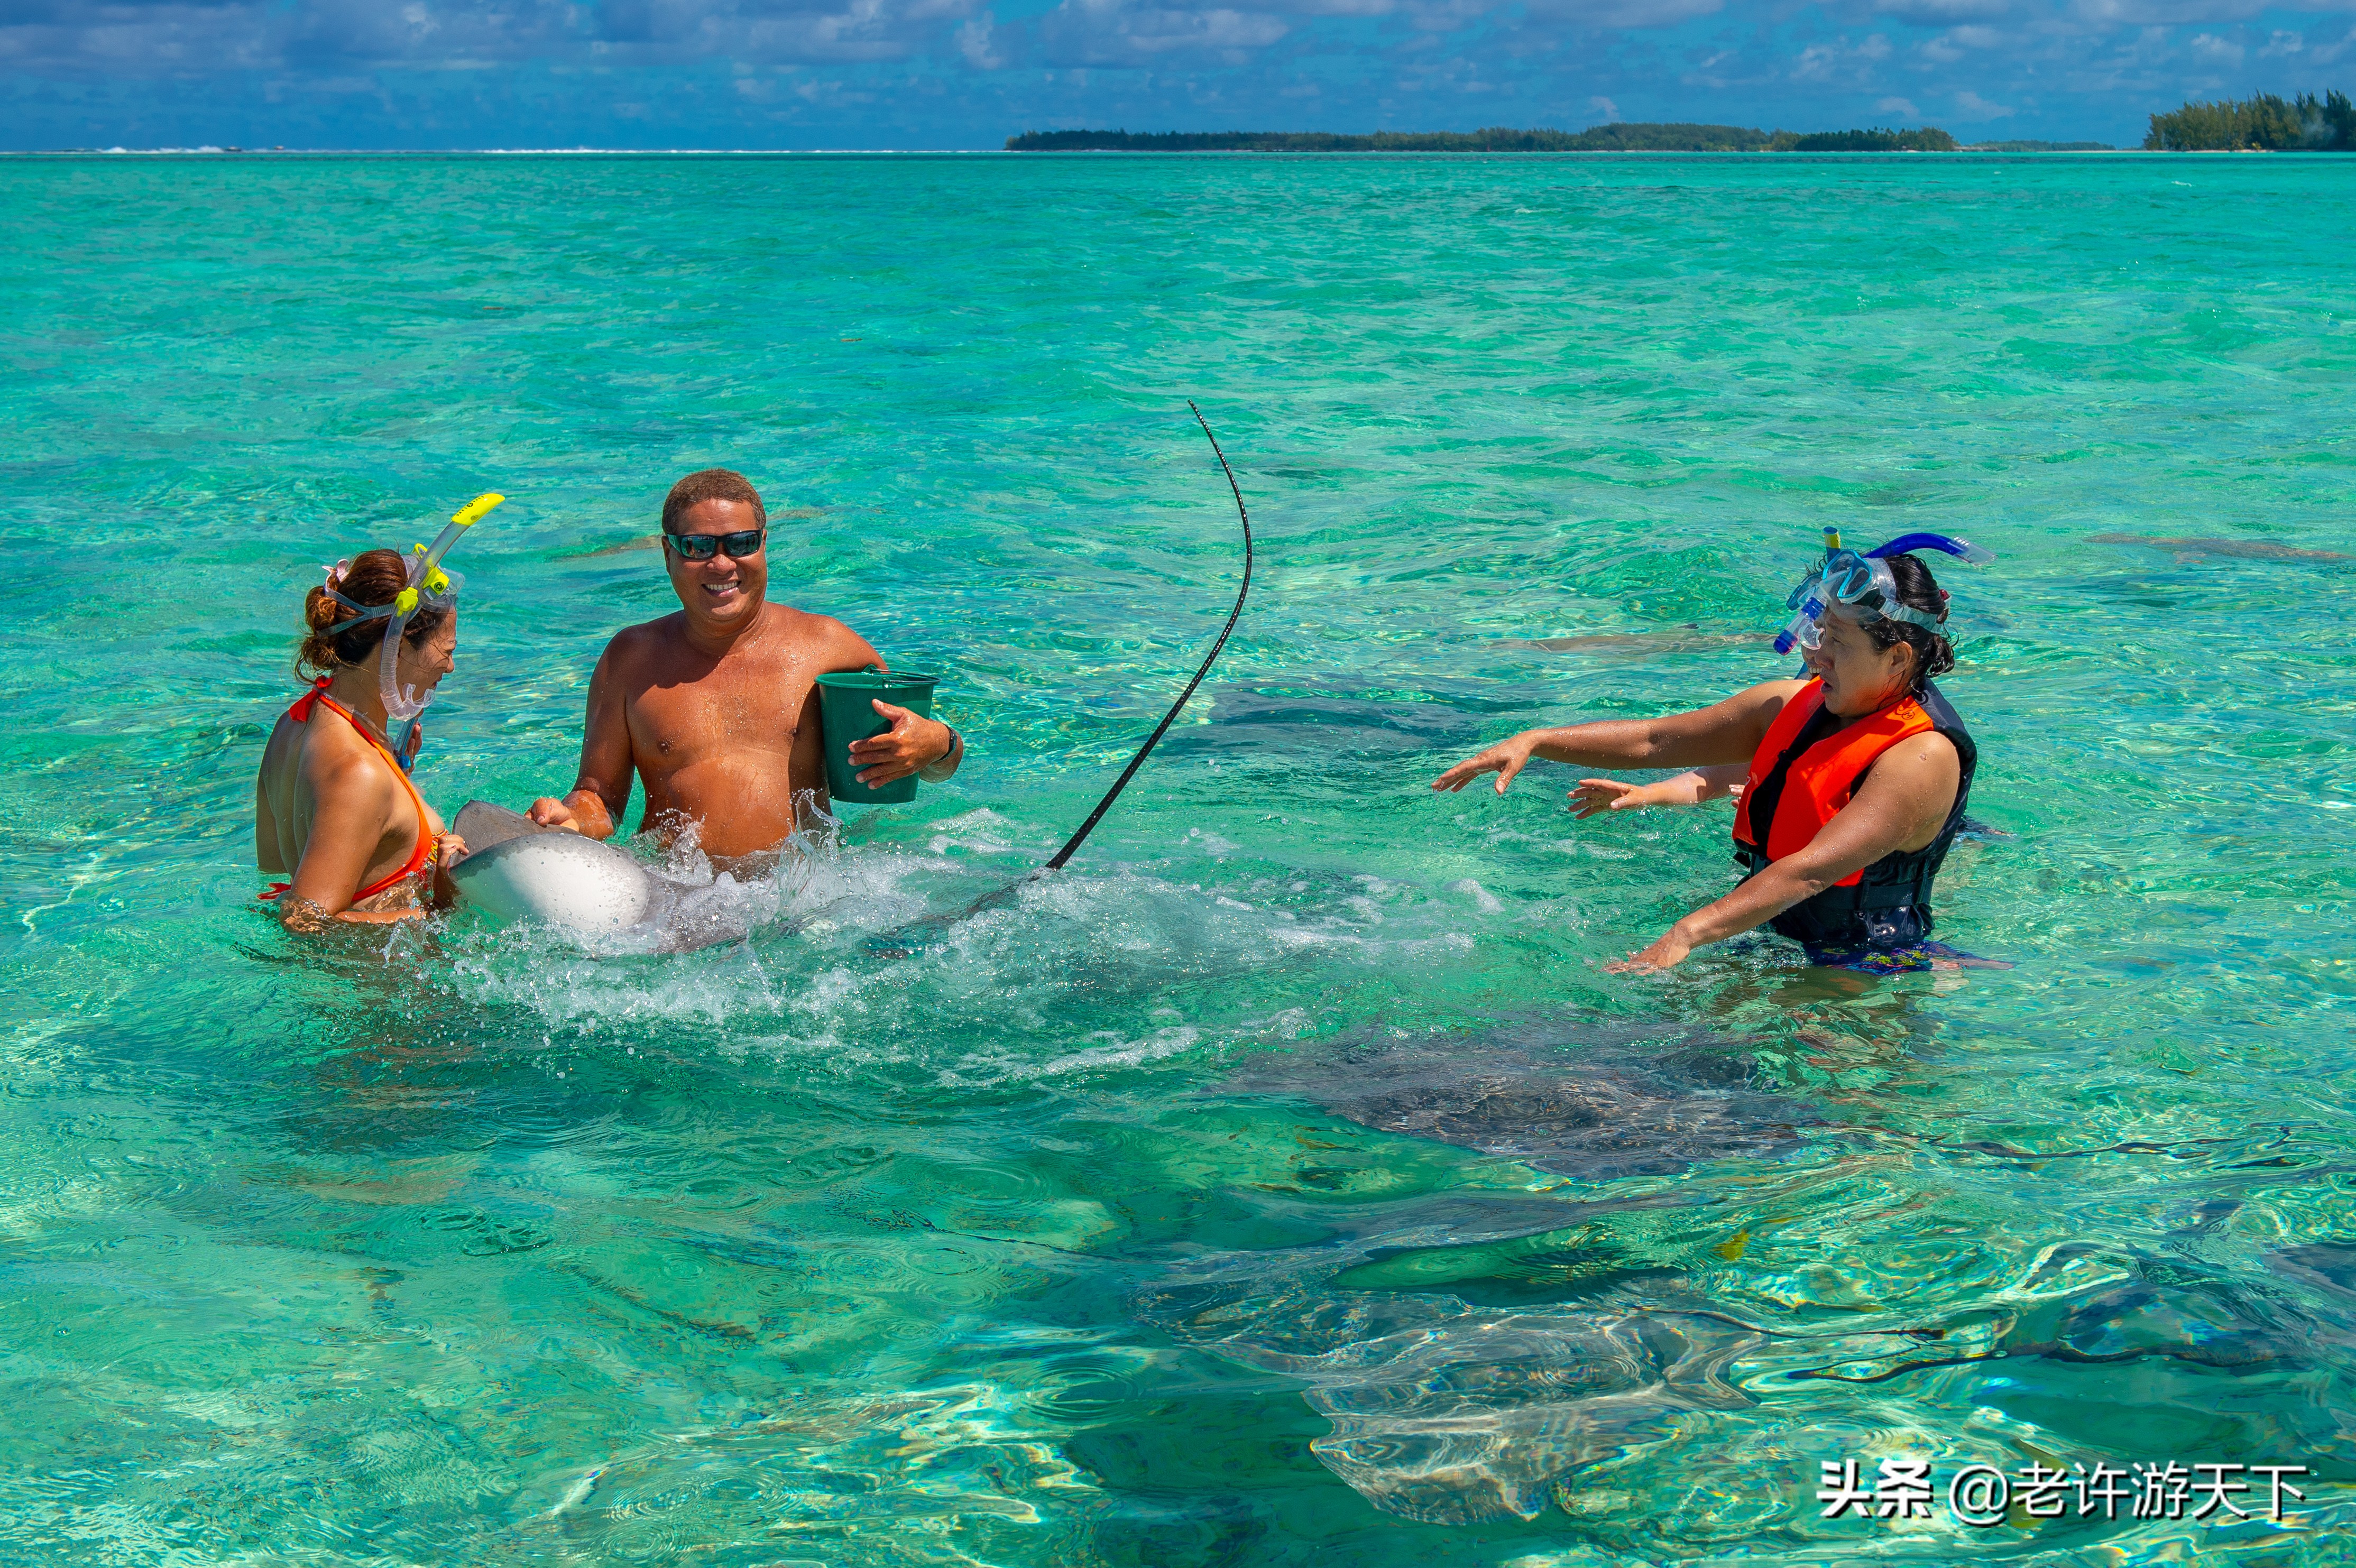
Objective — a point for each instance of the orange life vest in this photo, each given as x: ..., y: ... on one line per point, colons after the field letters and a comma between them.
x: 1803, y: 772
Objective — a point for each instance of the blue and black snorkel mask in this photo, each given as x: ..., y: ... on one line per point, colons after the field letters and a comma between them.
x: 1863, y: 585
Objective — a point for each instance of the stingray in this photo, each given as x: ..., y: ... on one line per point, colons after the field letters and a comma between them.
x: 1259, y: 723
x: 1576, y: 1107
x: 1690, y: 640
x: 2240, y: 549
x: 2142, y: 1304
x: 584, y: 890
x: 2327, y: 1262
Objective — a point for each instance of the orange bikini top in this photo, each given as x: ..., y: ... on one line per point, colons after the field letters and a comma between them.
x: 419, y: 855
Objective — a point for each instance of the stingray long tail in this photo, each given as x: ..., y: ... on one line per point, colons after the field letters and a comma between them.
x: 912, y: 938
x: 1137, y: 761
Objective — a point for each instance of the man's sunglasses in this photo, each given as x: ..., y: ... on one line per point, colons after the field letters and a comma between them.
x: 703, y: 547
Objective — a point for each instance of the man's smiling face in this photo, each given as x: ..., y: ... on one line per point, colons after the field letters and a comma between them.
x: 725, y: 588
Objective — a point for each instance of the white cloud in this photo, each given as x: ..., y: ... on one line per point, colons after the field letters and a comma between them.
x: 1899, y: 106
x: 322, y: 37
x: 1956, y: 44
x: 1934, y: 12
x: 973, y: 41
x: 1604, y: 109
x: 2328, y: 53
x: 1115, y: 32
x: 1624, y: 15
x: 1971, y: 106
x: 2180, y: 13
x: 2220, y: 51
x: 1839, y: 62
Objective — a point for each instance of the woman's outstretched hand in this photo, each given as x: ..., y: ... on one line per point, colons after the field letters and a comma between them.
x: 1504, y: 759
x: 1594, y: 796
x: 1667, y: 954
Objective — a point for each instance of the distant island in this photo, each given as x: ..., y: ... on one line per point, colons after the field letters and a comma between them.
x: 2263, y: 123
x: 1612, y: 138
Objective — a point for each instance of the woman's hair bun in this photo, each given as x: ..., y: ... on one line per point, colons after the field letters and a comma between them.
x: 374, y: 577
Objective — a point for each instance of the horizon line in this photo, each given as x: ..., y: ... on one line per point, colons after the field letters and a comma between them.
x: 228, y: 151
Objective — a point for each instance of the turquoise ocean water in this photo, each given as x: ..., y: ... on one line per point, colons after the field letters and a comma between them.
x: 1287, y: 1183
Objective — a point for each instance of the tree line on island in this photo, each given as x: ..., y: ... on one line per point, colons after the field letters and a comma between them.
x: 1613, y: 138
x: 2262, y: 123
x: 1616, y: 138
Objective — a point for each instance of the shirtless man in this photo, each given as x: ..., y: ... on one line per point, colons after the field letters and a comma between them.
x: 716, y: 707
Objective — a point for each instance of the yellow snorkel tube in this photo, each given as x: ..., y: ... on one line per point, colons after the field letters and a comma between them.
x: 428, y: 585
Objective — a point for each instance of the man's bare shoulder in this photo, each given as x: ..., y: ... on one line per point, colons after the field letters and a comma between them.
x: 647, y: 640
x: 811, y: 635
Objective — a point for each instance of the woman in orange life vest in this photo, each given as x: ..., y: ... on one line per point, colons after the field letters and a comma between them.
x: 334, y: 801
x: 1858, y: 777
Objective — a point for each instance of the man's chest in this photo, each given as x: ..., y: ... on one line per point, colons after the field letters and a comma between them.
x: 768, y: 707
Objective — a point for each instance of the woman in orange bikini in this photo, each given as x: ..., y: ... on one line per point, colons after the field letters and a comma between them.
x: 334, y: 803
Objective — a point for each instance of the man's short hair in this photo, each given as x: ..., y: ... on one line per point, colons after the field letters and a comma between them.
x: 711, y: 485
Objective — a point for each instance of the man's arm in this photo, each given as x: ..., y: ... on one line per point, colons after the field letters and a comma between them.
x: 1726, y: 731
x: 915, y: 745
x: 601, y: 793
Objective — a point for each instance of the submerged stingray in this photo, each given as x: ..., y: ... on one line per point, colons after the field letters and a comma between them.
x: 1692, y: 639
x: 2243, y: 550
x: 2137, y: 1306
x: 1578, y: 1107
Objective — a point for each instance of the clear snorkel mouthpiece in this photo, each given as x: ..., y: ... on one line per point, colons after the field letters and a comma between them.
x: 428, y: 585
x: 1802, y: 631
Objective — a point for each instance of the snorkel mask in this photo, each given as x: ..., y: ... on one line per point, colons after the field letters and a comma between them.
x: 1863, y: 585
x: 428, y: 585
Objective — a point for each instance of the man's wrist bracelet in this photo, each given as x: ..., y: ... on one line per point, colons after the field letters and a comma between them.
x: 940, y: 767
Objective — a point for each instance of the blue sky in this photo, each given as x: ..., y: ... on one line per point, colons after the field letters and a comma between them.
x: 967, y: 73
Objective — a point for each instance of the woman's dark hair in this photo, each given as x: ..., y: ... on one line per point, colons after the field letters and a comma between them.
x: 376, y: 577
x: 1934, y: 654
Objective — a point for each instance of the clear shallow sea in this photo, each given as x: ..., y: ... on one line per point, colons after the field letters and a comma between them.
x: 1286, y: 1184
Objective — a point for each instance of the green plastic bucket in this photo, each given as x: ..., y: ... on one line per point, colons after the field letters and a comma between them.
x: 846, y: 713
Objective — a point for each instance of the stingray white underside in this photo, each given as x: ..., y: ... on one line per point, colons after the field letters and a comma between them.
x: 558, y: 879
